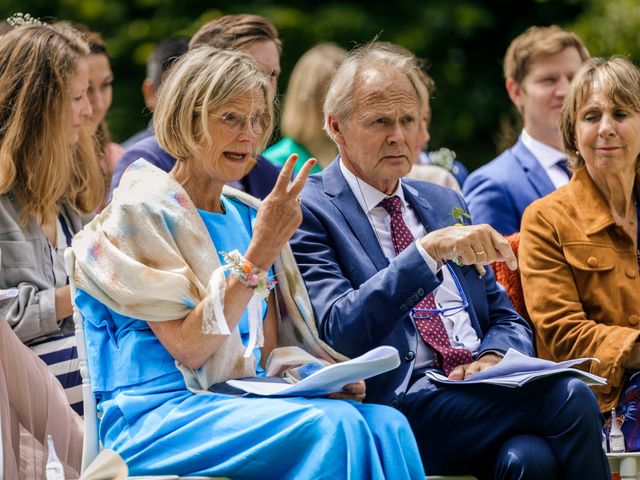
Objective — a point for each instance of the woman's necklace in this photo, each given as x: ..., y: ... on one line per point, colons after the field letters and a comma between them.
x: 621, y: 220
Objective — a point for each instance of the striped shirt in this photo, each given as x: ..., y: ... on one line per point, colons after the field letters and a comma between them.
x: 61, y: 356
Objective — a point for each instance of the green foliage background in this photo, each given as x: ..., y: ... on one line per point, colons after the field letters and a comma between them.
x: 463, y: 40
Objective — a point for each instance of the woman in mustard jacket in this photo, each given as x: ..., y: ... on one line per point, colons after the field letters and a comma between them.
x: 579, y: 245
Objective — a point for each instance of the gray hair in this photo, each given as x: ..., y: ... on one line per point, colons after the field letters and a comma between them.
x: 202, y: 81
x: 339, y: 101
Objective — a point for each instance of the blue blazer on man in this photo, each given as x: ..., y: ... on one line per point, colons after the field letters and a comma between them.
x: 498, y: 192
x: 361, y: 300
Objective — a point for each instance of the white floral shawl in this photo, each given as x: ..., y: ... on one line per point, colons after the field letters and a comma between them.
x: 149, y: 256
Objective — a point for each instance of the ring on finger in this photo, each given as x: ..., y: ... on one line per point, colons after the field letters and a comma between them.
x: 481, y: 252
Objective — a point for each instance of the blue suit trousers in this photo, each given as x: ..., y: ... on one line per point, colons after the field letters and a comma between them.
x: 538, y: 431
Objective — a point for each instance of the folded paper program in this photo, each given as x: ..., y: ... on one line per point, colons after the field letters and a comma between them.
x: 8, y: 293
x: 516, y: 369
x: 327, y: 380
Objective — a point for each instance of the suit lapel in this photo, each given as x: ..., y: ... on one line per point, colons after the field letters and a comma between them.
x: 428, y: 215
x: 338, y: 190
x: 535, y: 172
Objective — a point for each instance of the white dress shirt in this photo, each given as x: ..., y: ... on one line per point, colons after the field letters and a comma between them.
x: 548, y: 157
x: 458, y: 325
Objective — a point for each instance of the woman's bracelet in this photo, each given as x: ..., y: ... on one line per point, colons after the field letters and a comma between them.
x: 248, y: 274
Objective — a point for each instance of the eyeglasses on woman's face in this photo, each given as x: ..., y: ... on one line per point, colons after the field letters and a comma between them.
x: 235, y: 122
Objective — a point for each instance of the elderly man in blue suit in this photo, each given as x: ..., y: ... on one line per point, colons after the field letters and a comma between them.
x: 376, y: 252
x: 538, y: 67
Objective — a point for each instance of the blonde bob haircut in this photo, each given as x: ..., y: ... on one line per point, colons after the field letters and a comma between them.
x: 619, y: 81
x: 202, y: 81
x: 310, y: 78
x: 536, y: 43
x: 340, y: 99
x: 38, y: 165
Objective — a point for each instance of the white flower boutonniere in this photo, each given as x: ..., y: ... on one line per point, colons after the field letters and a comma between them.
x: 443, y: 157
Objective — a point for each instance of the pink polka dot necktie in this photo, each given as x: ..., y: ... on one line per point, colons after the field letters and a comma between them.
x: 428, y: 322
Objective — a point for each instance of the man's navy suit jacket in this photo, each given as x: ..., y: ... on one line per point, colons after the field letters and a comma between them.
x: 361, y: 300
x: 498, y: 192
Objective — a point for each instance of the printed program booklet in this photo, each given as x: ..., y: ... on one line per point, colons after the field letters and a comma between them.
x: 327, y: 380
x: 516, y: 369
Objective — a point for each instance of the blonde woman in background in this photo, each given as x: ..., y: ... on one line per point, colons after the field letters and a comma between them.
x: 426, y: 172
x: 302, y: 121
x: 50, y: 183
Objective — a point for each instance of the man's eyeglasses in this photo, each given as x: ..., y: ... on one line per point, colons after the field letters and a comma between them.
x: 424, y: 313
x: 235, y: 122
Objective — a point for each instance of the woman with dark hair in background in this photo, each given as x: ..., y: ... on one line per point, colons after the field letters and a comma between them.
x: 100, y: 95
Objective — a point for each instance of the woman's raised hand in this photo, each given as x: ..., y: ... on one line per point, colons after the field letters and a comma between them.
x: 279, y: 215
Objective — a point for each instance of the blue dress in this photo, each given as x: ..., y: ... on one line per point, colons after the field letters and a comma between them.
x: 159, y: 427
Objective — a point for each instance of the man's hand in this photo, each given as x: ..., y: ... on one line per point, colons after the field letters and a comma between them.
x: 462, y: 372
x: 353, y: 391
x: 471, y: 244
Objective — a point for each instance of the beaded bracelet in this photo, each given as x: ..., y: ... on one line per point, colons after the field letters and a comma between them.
x: 248, y: 274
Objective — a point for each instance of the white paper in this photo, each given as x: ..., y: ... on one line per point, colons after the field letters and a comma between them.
x: 8, y: 293
x: 516, y: 369
x: 330, y: 379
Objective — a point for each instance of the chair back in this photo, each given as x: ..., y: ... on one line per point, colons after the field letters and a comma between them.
x: 510, y: 279
x: 91, y: 441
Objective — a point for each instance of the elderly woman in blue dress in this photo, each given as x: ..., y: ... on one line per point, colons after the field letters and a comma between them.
x: 175, y: 281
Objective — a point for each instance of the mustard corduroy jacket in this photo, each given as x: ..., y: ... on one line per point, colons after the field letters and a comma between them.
x: 580, y: 280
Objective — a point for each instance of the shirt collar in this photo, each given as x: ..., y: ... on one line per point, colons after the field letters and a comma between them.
x: 589, y: 201
x: 546, y: 155
x: 367, y: 196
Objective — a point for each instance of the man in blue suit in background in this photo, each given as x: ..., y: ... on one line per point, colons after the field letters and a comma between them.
x: 538, y: 67
x: 376, y: 252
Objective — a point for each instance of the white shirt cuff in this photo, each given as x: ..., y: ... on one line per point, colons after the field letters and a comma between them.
x: 495, y: 352
x: 428, y: 259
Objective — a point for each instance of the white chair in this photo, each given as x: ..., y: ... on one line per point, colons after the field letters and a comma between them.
x: 91, y: 441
